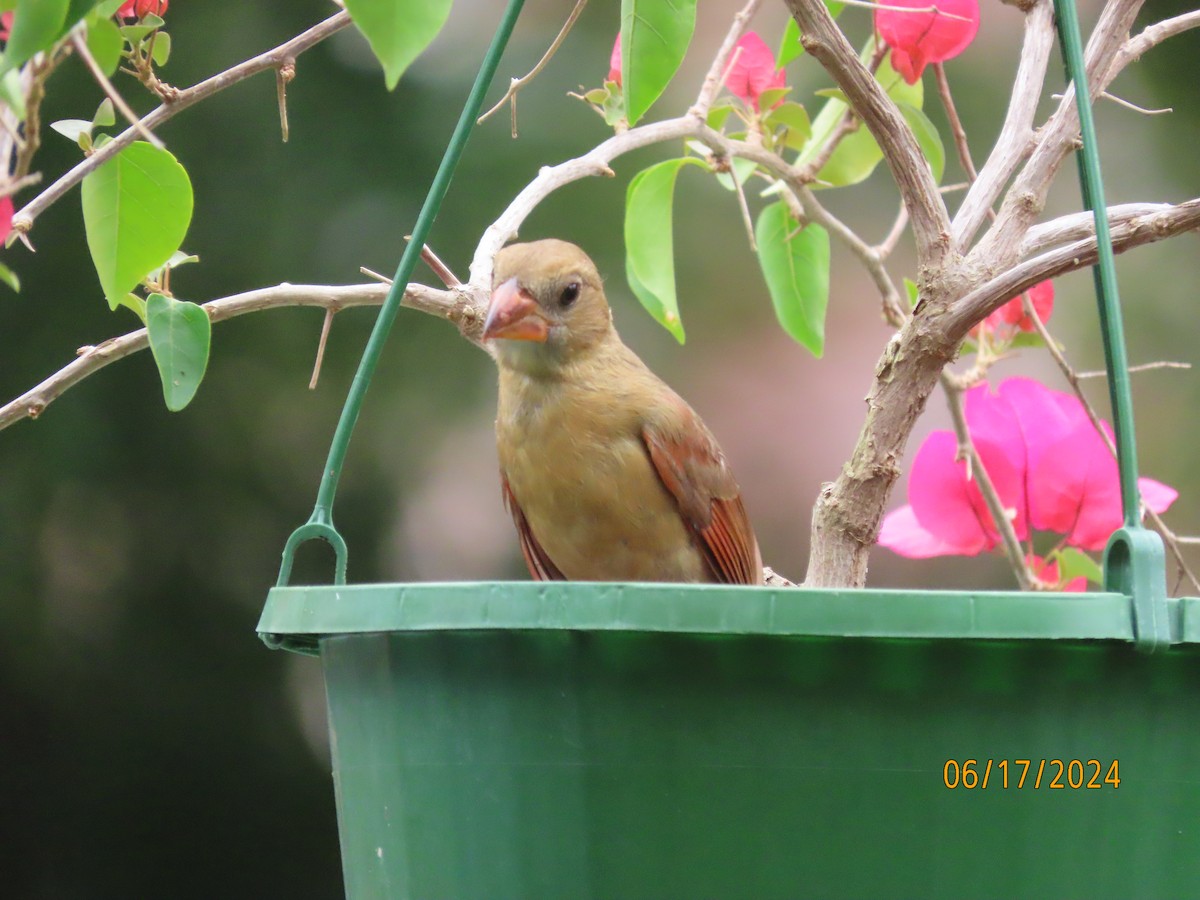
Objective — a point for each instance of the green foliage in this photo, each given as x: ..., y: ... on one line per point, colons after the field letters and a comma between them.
x: 649, y: 245
x: 398, y: 30
x: 654, y: 38
x: 9, y: 277
x: 180, y: 333
x: 1072, y: 563
x: 927, y: 137
x: 136, y: 211
x: 795, y: 264
x: 790, y: 47
x: 37, y: 24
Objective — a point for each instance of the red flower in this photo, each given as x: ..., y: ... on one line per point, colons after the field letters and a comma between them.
x: 1010, y: 318
x: 6, y: 214
x: 136, y: 9
x: 753, y: 70
x: 614, y: 61
x: 926, y: 34
x: 6, y: 25
x: 1051, y: 470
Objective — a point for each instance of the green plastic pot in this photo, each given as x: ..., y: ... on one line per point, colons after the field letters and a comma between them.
x: 620, y: 741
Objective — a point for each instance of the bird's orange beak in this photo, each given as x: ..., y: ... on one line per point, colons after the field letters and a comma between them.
x: 515, y: 315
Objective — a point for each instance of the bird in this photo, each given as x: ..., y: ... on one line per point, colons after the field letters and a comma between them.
x: 608, y: 474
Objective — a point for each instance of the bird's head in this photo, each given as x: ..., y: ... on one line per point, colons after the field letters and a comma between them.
x: 547, y: 304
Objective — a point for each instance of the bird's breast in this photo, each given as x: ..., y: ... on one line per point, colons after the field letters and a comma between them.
x: 577, y: 467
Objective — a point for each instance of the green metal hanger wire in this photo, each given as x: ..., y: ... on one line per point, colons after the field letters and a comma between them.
x: 320, y: 523
x: 1134, y: 562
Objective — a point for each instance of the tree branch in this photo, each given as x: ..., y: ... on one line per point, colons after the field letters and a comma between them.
x: 449, y: 305
x: 824, y: 40
x: 181, y: 100
x: 1016, y: 138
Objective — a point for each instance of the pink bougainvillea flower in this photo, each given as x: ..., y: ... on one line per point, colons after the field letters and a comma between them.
x: 1047, y: 574
x: 135, y: 9
x: 947, y: 514
x: 614, y: 61
x: 6, y: 214
x: 6, y: 25
x: 1051, y: 470
x: 1011, y: 318
x: 753, y: 70
x: 934, y: 31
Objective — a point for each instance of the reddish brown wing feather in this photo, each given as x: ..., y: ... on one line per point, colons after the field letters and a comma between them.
x: 540, y: 565
x: 693, y: 470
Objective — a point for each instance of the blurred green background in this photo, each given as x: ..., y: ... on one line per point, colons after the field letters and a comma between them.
x: 149, y: 744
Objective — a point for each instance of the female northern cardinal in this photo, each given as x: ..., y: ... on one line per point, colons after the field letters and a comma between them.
x: 608, y: 474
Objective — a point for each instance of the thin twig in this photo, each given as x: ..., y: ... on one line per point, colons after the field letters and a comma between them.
x: 283, y: 76
x: 24, y: 219
x: 978, y: 473
x: 956, y: 126
x: 316, y: 373
x: 720, y: 65
x: 19, y: 184
x: 439, y: 268
x: 113, y: 94
x: 515, y: 85
x: 887, y: 246
x: 1144, y: 367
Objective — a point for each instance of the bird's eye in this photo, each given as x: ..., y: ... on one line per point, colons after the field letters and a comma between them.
x: 569, y: 294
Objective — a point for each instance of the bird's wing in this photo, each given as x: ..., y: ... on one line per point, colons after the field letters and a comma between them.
x: 541, y: 567
x: 693, y: 470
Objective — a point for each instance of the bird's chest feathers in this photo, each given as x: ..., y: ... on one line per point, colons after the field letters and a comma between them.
x: 578, y: 468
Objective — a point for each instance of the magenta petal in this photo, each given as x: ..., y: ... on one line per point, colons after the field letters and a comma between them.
x: 1000, y: 443
x: 753, y: 71
x: 940, y: 496
x: 902, y: 533
x: 1156, y: 495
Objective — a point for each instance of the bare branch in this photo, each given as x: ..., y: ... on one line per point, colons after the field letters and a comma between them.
x: 1153, y: 35
x: 111, y: 92
x: 181, y: 100
x: 1016, y: 138
x: 1076, y: 226
x: 824, y: 40
x: 516, y: 84
x: 451, y: 305
x: 716, y: 71
x: 1126, y: 234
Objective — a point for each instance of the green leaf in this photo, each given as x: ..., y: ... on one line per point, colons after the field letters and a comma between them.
x: 717, y: 116
x: 37, y: 24
x: 107, y: 8
x: 178, y: 258
x: 9, y: 277
x: 180, y: 333
x: 105, y: 115
x: 857, y: 155
x: 162, y: 48
x: 914, y: 292
x: 11, y: 94
x: 79, y: 9
x: 790, y: 47
x: 742, y: 169
x: 769, y: 98
x: 927, y: 137
x: 136, y: 211
x: 654, y: 37
x: 71, y: 129
x: 794, y: 118
x: 649, y: 245
x: 398, y: 30
x: 105, y: 42
x: 1072, y: 563
x: 795, y: 265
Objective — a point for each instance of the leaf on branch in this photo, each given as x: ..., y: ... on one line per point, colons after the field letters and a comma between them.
x: 927, y: 137
x: 136, y: 211
x: 180, y: 333
x: 790, y: 47
x: 655, y: 35
x: 9, y: 277
x: 37, y: 24
x: 857, y: 156
x: 398, y: 30
x: 105, y: 43
x: 649, y: 245
x: 795, y: 264
x: 1073, y: 563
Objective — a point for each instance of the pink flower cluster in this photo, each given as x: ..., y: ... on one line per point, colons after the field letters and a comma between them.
x: 1011, y: 318
x: 135, y: 9
x: 1050, y: 467
x: 926, y: 31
